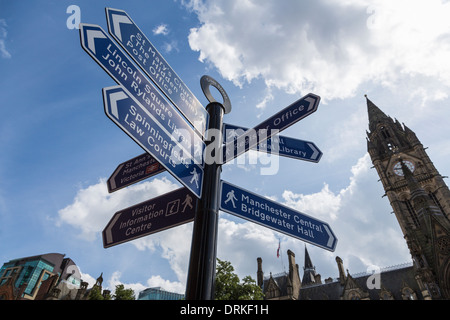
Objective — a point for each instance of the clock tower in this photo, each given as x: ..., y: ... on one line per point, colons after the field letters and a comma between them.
x: 418, y: 195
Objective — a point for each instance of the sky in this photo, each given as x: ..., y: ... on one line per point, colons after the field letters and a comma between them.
x: 58, y: 148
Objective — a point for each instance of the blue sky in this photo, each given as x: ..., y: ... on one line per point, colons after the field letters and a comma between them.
x: 58, y: 147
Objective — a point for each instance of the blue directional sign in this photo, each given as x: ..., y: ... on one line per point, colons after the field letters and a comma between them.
x: 139, y: 47
x: 283, y: 146
x: 122, y: 69
x: 277, y: 123
x: 268, y: 213
x: 154, y: 215
x: 128, y: 114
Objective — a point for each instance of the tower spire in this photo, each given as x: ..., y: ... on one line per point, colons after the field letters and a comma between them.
x: 309, y: 271
x: 375, y: 114
x: 308, y: 263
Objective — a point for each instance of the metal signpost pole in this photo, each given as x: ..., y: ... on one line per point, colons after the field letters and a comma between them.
x: 202, y: 264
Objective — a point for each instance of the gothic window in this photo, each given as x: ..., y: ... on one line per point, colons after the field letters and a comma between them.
x: 412, y: 213
x: 272, y: 293
x: 436, y: 201
x: 443, y: 245
x: 384, y: 133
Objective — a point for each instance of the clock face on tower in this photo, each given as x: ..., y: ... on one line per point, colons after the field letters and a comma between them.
x: 398, y: 167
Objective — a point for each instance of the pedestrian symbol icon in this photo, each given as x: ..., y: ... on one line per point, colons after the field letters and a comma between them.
x: 231, y: 197
x: 187, y: 203
x: 195, y: 176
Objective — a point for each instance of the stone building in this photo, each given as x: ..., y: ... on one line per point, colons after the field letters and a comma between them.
x: 395, y: 283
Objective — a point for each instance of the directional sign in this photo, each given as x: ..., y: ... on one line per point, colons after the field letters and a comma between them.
x: 284, y: 146
x: 160, y: 213
x: 139, y: 47
x: 277, y: 123
x: 116, y: 63
x: 134, y: 170
x: 268, y: 213
x: 141, y: 126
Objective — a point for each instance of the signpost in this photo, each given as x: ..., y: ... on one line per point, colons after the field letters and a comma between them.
x: 268, y: 213
x: 139, y: 47
x: 140, y: 125
x: 172, y: 136
x: 277, y: 123
x: 134, y: 170
x: 154, y: 215
x: 283, y: 146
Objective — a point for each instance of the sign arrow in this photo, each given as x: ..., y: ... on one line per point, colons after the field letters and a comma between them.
x: 270, y: 214
x: 281, y: 145
x: 91, y: 36
x: 272, y: 126
x: 117, y: 20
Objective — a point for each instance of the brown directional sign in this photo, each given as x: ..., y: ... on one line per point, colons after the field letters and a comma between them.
x: 164, y: 212
x: 134, y: 170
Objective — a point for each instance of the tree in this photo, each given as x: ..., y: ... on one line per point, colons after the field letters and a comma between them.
x: 123, y: 294
x: 95, y: 293
x: 229, y: 287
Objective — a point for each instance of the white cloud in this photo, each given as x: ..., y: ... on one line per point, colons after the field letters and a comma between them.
x: 161, y: 29
x: 171, y: 286
x: 3, y: 34
x: 115, y: 280
x: 267, y: 98
x: 175, y: 244
x: 329, y: 47
x: 323, y: 205
x: 153, y: 281
x: 169, y: 47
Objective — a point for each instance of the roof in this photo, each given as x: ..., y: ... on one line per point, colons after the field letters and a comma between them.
x: 392, y: 281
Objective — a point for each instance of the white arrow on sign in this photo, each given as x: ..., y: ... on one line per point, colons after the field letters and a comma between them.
x: 311, y: 102
x: 114, y: 97
x: 117, y: 19
x: 108, y: 232
x: 92, y: 35
x: 315, y: 151
x: 330, y: 234
x: 112, y: 179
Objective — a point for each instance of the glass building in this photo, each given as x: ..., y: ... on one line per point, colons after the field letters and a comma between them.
x: 32, y: 271
x: 157, y: 293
